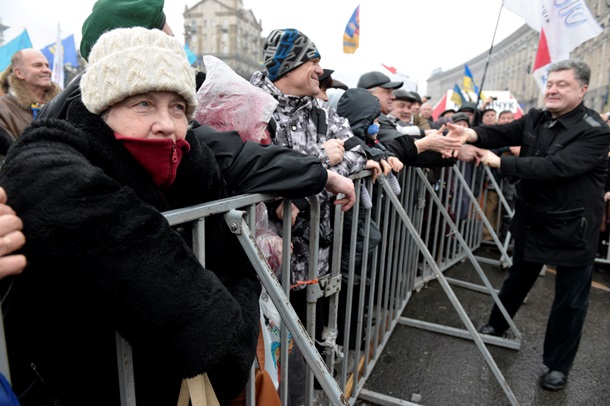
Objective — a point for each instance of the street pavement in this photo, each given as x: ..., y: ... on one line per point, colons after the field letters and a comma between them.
x: 434, y: 369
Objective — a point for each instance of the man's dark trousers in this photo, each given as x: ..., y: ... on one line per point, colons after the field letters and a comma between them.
x: 564, y: 328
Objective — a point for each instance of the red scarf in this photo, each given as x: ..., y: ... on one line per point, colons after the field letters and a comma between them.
x: 160, y: 157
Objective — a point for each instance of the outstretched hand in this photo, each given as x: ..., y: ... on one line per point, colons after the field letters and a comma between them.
x: 461, y: 135
x: 490, y: 159
x: 438, y: 142
x: 470, y: 153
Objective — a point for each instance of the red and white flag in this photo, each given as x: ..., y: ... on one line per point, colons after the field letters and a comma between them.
x: 562, y: 25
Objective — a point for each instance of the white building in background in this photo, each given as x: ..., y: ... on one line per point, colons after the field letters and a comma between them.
x: 512, y: 61
x: 224, y: 29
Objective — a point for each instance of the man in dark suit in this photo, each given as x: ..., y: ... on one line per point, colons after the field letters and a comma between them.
x: 561, y: 172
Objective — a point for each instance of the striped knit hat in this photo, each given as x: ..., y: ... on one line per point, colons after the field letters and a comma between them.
x: 285, y: 50
x: 128, y: 61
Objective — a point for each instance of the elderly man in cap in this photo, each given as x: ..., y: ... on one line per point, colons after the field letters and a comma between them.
x: 417, y: 118
x: 402, y: 113
x: 470, y: 109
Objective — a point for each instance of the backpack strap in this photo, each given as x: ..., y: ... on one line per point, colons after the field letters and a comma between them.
x: 272, y: 128
x: 318, y: 115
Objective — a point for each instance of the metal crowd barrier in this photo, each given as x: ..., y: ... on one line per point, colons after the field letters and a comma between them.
x: 424, y: 231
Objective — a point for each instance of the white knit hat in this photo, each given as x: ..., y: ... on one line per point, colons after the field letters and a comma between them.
x: 128, y: 61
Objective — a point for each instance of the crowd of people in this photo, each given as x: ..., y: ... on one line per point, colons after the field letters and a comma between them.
x: 88, y: 173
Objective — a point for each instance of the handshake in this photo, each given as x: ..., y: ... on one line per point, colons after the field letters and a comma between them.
x: 457, y: 137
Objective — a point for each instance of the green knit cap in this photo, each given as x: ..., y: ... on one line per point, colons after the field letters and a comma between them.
x: 110, y: 14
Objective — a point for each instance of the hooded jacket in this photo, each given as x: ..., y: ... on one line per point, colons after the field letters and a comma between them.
x: 102, y: 258
x: 297, y: 127
x: 361, y: 109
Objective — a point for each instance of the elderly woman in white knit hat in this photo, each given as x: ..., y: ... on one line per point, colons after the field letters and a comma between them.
x: 102, y: 258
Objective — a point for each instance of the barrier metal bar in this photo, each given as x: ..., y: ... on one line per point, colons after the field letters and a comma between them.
x: 447, y: 288
x: 287, y: 233
x: 504, y: 259
x: 4, y: 367
x: 238, y: 226
x: 312, y: 290
x: 350, y: 286
x: 472, y: 258
x: 481, y: 213
x: 127, y: 389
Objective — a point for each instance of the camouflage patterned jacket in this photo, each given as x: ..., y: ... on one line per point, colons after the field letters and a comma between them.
x: 296, y: 128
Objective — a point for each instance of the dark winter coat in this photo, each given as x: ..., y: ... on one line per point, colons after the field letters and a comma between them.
x: 102, y: 258
x: 246, y: 167
x: 361, y: 108
x: 561, y: 171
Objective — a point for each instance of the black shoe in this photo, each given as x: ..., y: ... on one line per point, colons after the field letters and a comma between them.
x: 554, y: 380
x: 491, y: 331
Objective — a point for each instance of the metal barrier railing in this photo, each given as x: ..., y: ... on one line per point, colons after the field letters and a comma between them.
x: 418, y: 241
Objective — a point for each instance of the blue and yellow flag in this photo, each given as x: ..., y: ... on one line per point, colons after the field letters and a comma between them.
x: 351, y: 37
x: 457, y: 97
x: 6, y: 52
x: 469, y: 85
x: 70, y: 56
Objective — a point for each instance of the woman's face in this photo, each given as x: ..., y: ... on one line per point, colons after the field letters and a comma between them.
x: 149, y: 115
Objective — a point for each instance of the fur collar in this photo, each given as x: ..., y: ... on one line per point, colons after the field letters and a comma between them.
x: 25, y: 97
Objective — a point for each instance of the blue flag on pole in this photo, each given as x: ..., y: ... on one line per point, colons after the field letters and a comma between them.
x: 6, y: 52
x: 190, y: 55
x: 70, y: 56
x: 457, y: 97
x: 469, y: 85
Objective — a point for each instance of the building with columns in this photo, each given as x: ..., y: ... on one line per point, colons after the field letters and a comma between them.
x: 224, y: 29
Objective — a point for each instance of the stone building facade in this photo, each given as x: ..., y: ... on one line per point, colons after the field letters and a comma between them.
x: 512, y: 61
x: 224, y: 29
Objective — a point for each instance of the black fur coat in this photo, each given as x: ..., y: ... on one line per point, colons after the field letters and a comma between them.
x: 102, y: 258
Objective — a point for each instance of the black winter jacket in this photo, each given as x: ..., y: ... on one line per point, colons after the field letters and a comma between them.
x: 403, y: 146
x: 246, y: 167
x: 561, y: 171
x: 102, y: 258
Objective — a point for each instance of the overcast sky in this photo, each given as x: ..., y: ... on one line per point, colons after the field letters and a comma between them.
x: 415, y: 37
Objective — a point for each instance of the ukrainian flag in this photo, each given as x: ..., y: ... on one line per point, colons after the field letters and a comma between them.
x: 457, y: 97
x: 469, y: 85
x: 351, y: 37
x: 69, y: 51
x: 6, y: 52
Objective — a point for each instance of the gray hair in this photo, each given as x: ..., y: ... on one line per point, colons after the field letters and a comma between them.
x: 582, y: 71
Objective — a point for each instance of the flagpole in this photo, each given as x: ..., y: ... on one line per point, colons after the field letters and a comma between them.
x: 489, y: 56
